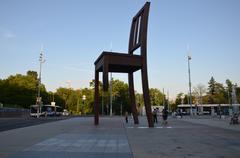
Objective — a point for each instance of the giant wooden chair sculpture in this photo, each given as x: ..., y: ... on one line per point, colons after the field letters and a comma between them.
x: 127, y: 63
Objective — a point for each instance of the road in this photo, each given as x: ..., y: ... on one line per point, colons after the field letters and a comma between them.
x: 13, y: 123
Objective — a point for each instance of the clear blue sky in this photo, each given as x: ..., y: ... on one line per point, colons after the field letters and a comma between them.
x: 75, y: 32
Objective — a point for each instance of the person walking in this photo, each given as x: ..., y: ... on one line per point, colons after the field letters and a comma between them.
x: 155, y: 116
x: 126, y: 117
x: 220, y: 111
x: 165, y: 115
x: 181, y: 115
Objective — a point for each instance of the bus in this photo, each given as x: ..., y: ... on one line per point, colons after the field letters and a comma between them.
x: 34, y: 112
x: 58, y: 110
x: 209, y: 109
x: 45, y: 110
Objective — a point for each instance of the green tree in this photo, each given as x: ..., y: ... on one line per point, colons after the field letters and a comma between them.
x: 56, y: 98
x: 73, y: 100
x: 32, y: 74
x: 212, y: 86
x: 87, y: 104
x: 216, y: 92
x: 238, y: 93
x: 221, y: 95
x: 178, y: 99
x: 198, y: 93
x: 121, y: 98
x: 139, y: 101
x: 211, y: 90
x: 20, y: 89
x: 64, y: 94
x: 156, y: 97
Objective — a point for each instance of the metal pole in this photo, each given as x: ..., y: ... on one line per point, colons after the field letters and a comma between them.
x: 107, y: 109
x: 121, y: 108
x: 168, y: 101
x: 234, y: 99
x: 200, y: 101
x: 228, y: 102
x: 102, y: 103
x: 78, y: 106
x: 39, y: 82
x: 82, y: 108
x: 40, y: 70
x: 182, y: 97
x: 111, y: 95
x: 83, y: 99
x: 190, y: 91
x: 163, y: 98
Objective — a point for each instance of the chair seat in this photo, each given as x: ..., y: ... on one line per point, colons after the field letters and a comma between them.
x: 118, y: 62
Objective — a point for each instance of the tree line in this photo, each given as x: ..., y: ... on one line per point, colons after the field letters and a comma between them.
x: 21, y: 91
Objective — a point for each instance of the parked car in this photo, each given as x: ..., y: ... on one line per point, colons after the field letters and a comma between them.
x: 65, y: 112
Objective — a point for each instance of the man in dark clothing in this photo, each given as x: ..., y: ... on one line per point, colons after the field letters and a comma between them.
x: 155, y: 116
x: 126, y: 117
x: 165, y: 115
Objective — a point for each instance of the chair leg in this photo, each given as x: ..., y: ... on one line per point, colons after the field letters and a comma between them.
x: 146, y: 96
x: 96, y: 99
x: 132, y: 98
x: 105, y: 76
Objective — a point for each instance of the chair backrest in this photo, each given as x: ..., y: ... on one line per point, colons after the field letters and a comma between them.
x: 138, y: 32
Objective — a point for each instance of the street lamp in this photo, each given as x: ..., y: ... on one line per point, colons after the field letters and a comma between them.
x: 39, y: 99
x: 83, y: 98
x: 102, y: 102
x: 190, y: 91
x: 229, y: 102
x: 234, y: 99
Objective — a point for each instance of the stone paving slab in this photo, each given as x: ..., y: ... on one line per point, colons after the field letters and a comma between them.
x: 80, y: 145
x: 89, y: 143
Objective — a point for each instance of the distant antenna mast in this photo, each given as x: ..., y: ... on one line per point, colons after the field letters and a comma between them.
x: 39, y: 99
x: 189, y: 57
x: 111, y: 47
x: 41, y: 61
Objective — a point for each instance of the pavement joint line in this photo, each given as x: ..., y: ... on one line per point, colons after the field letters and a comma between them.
x: 145, y: 127
x: 129, y: 144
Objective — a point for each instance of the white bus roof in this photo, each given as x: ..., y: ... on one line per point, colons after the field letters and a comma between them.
x: 46, y: 105
x: 205, y: 105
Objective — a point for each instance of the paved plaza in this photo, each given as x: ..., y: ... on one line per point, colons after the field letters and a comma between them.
x: 78, y: 137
